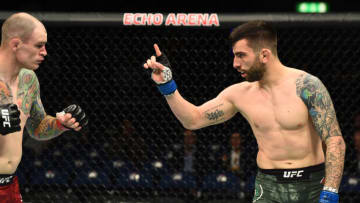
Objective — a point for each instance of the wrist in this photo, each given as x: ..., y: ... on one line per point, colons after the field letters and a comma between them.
x: 330, y: 189
x: 167, y: 88
x: 328, y: 197
x: 60, y: 126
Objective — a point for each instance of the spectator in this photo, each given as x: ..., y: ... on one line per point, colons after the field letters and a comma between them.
x: 128, y: 145
x: 353, y: 164
x: 185, y: 157
x: 352, y: 161
x: 232, y: 159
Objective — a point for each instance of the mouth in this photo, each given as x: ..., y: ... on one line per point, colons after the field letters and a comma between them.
x: 243, y: 73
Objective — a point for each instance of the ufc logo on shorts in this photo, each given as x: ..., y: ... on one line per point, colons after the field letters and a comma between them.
x: 5, y: 180
x: 5, y: 116
x: 292, y: 174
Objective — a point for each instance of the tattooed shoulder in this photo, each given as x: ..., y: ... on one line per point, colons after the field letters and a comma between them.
x: 317, y: 99
x: 27, y: 78
x: 28, y: 90
x: 305, y: 84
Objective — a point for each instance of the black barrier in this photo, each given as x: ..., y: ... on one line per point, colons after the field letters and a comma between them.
x: 133, y: 148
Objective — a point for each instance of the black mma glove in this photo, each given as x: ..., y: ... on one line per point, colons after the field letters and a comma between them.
x: 10, y: 119
x: 168, y: 85
x: 77, y: 113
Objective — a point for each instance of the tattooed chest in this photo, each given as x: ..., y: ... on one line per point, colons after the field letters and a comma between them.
x: 16, y: 94
x: 5, y: 94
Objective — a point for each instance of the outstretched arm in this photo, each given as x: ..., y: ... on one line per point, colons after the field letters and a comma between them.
x: 39, y: 125
x: 215, y: 111
x: 321, y: 109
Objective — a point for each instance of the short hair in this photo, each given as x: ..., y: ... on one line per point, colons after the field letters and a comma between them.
x: 17, y: 25
x: 259, y: 34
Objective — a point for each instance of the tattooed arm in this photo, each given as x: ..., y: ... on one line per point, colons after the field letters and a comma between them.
x: 217, y: 110
x: 317, y: 99
x: 39, y: 125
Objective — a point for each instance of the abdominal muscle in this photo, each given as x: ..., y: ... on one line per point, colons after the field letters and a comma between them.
x: 287, y: 149
x: 10, y: 152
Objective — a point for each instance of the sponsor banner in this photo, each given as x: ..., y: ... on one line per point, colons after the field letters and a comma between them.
x: 171, y: 19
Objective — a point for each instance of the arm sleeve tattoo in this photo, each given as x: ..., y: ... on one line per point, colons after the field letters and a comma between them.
x: 317, y: 99
x: 39, y: 125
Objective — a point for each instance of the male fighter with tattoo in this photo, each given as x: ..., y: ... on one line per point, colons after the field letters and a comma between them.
x: 290, y: 112
x: 22, y: 50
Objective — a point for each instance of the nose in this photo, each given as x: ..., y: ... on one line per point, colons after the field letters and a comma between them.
x: 236, y: 63
x: 43, y: 51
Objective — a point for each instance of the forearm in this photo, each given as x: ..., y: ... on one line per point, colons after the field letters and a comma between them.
x: 48, y: 128
x: 184, y: 111
x: 334, y: 161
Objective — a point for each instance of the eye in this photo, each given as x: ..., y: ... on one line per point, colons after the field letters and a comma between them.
x: 240, y: 55
x: 39, y: 46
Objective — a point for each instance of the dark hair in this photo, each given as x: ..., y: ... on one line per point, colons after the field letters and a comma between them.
x: 259, y: 34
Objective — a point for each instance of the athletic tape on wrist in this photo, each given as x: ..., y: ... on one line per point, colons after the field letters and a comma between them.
x: 167, y: 88
x: 327, y: 196
x: 330, y: 189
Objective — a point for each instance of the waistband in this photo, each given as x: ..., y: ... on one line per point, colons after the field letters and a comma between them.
x: 293, y: 174
x: 6, y: 179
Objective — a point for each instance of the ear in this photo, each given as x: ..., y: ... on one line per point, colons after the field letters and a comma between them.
x: 265, y: 55
x: 15, y: 43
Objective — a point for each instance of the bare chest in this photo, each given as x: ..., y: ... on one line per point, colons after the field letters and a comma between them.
x: 16, y: 94
x: 280, y: 110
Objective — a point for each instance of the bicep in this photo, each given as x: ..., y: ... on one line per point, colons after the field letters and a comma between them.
x: 217, y: 110
x: 37, y: 112
x: 321, y: 109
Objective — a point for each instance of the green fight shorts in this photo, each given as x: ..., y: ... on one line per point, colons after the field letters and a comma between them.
x: 302, y: 185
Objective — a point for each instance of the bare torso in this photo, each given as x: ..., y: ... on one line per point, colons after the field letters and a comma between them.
x: 11, y: 144
x: 281, y: 124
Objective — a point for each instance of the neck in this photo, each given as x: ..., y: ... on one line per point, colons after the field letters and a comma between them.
x: 9, y: 69
x: 273, y: 76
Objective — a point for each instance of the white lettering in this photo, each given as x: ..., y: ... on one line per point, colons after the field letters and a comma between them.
x: 213, y: 20
x: 5, y: 116
x: 192, y: 19
x: 291, y: 174
x: 158, y: 19
x: 5, y: 112
x: 143, y: 19
x: 286, y: 174
x: 179, y: 19
x: 170, y: 19
x: 127, y: 19
x: 299, y: 173
x: 5, y: 180
x: 139, y: 19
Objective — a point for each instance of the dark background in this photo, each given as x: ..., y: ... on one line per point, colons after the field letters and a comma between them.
x: 95, y: 67
x: 249, y: 6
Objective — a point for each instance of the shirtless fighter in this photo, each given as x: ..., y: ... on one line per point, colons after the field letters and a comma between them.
x: 290, y: 112
x: 22, y: 50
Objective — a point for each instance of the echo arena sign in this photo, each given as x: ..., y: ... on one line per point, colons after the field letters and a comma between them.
x: 171, y: 19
